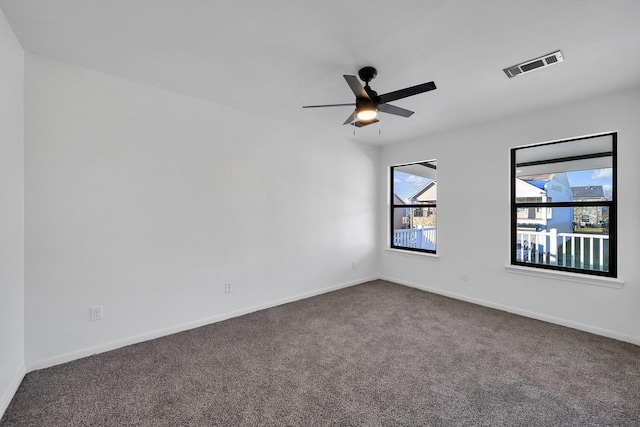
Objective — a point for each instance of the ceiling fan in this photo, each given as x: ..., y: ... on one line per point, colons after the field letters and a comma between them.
x: 369, y: 103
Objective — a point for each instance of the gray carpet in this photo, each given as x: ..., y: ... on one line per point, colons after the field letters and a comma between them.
x: 376, y: 354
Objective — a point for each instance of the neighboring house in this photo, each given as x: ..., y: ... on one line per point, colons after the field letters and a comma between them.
x: 424, y: 217
x: 590, y: 193
x: 399, y: 222
x: 590, y: 216
x: 530, y: 218
x: 546, y: 188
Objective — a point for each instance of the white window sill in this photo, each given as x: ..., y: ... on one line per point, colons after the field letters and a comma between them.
x: 413, y: 254
x: 566, y: 276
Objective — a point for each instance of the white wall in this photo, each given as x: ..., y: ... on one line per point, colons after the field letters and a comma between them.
x: 11, y: 214
x: 147, y: 202
x: 473, y: 177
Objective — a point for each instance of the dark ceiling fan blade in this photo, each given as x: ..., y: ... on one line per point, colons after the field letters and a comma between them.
x: 356, y: 86
x: 351, y: 118
x: 328, y: 105
x: 392, y: 109
x: 361, y: 123
x: 403, y: 93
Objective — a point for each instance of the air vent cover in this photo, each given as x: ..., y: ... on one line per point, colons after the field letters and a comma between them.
x: 534, y: 64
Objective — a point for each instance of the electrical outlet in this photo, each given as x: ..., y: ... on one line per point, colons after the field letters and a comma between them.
x: 464, y: 277
x: 353, y: 265
x: 96, y: 312
x: 227, y: 288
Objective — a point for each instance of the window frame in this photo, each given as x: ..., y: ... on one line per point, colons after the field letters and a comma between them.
x: 423, y: 206
x: 611, y: 204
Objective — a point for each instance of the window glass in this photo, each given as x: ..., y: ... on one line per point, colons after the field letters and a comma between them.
x: 563, y: 205
x: 414, y: 206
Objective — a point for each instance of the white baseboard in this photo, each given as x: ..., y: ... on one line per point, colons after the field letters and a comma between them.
x: 68, y: 357
x: 11, y: 391
x: 78, y: 354
x: 526, y: 313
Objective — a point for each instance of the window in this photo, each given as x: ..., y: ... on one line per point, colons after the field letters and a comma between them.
x: 563, y: 205
x: 413, y: 206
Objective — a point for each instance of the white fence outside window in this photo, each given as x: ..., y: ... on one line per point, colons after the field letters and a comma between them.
x: 542, y: 248
x: 418, y: 238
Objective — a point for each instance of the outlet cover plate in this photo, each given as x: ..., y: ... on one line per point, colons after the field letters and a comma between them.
x: 96, y: 312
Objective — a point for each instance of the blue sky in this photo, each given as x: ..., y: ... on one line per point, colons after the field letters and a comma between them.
x: 590, y: 177
x: 405, y: 185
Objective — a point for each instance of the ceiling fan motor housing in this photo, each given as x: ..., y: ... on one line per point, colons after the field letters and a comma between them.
x: 364, y: 103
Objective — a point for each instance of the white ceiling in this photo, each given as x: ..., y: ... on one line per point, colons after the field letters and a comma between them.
x: 272, y: 57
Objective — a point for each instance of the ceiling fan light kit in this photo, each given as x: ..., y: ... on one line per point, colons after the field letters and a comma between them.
x: 367, y: 114
x: 369, y: 103
x: 366, y: 109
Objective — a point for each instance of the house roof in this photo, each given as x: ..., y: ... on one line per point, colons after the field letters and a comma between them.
x: 588, y: 192
x: 525, y: 189
x: 428, y: 193
x: 539, y: 177
x: 538, y: 181
x: 270, y: 58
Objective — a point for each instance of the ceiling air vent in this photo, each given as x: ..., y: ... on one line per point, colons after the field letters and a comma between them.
x: 534, y: 64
